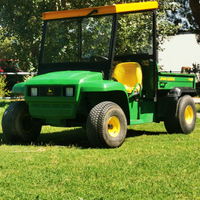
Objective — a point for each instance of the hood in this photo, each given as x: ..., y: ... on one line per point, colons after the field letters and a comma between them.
x: 65, y: 77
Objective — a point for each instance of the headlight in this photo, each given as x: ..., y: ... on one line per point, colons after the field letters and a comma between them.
x: 69, y: 91
x: 34, y: 92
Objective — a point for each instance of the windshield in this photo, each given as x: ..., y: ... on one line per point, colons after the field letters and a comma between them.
x: 135, y: 34
x: 78, y: 40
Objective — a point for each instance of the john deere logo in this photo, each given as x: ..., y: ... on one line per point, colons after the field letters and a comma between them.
x: 145, y: 63
x: 50, y: 91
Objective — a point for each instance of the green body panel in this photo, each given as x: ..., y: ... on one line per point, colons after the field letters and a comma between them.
x: 142, y: 112
x: 55, y: 110
x: 52, y: 109
x: 65, y: 78
x: 102, y: 86
x: 134, y: 109
x: 19, y: 88
x: 167, y: 81
x: 147, y: 111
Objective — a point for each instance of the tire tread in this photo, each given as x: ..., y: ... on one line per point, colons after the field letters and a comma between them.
x: 95, y: 123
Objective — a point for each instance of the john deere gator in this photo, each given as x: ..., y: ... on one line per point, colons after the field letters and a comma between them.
x: 98, y: 69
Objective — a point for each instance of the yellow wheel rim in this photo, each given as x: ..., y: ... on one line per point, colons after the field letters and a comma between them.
x: 189, y: 115
x: 113, y: 126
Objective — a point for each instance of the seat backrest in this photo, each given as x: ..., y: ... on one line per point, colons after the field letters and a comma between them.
x: 128, y: 73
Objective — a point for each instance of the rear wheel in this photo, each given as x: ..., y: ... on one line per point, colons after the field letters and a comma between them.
x: 106, y: 125
x: 186, y: 113
x: 17, y: 124
x: 185, y: 117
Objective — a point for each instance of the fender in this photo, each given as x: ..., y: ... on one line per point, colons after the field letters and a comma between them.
x: 180, y: 91
x: 167, y: 105
x: 110, y: 90
x: 19, y: 88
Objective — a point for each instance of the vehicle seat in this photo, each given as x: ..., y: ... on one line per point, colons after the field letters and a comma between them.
x: 129, y: 74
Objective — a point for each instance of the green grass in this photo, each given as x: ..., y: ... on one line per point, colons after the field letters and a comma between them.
x: 151, y: 164
x: 198, y: 107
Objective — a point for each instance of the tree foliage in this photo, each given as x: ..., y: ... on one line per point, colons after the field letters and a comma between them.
x: 22, y: 20
x: 188, y: 14
x: 62, y: 39
x: 6, y: 46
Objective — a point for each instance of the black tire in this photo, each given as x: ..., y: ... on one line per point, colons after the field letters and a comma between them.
x: 171, y: 125
x: 185, y: 117
x: 16, y: 124
x: 186, y: 114
x: 106, y: 125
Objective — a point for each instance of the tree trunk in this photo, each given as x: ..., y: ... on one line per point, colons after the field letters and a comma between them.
x: 195, y: 7
x: 64, y: 4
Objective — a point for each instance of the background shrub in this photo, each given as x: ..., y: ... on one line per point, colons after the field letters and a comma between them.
x: 10, y: 66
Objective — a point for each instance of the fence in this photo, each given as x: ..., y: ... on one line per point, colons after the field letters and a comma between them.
x: 18, y: 73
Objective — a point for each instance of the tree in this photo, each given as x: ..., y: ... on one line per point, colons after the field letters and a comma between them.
x: 195, y: 7
x: 6, y: 46
x: 188, y: 14
x: 23, y: 21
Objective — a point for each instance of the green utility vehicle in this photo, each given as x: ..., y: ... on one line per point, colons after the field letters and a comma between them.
x: 98, y: 69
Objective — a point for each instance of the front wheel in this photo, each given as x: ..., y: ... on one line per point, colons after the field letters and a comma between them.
x: 185, y: 117
x: 17, y: 124
x: 106, y: 125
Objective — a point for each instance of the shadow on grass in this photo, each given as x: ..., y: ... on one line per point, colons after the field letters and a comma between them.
x: 70, y: 138
x: 134, y: 133
x: 76, y: 137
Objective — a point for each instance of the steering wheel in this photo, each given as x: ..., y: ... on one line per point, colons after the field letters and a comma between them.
x: 97, y: 58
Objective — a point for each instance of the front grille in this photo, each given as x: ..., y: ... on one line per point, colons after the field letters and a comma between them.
x: 50, y: 91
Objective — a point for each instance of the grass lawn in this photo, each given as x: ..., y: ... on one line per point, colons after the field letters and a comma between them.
x: 151, y: 164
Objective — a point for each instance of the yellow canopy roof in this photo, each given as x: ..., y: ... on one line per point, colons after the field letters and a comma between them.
x: 118, y: 8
